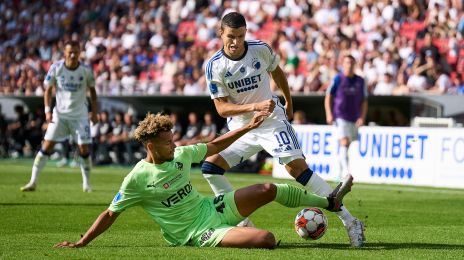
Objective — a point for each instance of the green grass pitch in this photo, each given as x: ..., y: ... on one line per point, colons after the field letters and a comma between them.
x: 402, y: 222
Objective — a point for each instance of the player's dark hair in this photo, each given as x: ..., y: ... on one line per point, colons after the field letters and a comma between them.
x: 72, y: 44
x: 233, y: 20
x: 351, y: 57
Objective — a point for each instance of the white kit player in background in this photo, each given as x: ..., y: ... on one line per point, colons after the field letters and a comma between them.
x: 239, y: 84
x: 71, y: 81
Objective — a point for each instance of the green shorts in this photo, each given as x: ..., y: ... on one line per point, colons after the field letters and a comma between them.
x: 218, y: 216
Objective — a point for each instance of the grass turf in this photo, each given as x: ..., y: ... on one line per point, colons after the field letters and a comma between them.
x: 402, y: 222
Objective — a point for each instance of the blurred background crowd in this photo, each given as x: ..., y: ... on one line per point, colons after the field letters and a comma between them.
x: 112, y: 135
x: 160, y: 47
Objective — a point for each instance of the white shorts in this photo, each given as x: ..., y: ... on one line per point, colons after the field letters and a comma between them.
x: 346, y: 128
x: 61, y: 129
x: 278, y: 139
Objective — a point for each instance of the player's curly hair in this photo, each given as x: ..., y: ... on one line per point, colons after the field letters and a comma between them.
x: 151, y: 126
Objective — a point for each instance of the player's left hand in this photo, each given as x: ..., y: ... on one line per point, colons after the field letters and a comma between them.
x: 67, y: 244
x: 360, y: 122
x: 289, y: 112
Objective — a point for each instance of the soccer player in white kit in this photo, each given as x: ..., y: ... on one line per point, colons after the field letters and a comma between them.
x: 71, y: 81
x: 239, y: 84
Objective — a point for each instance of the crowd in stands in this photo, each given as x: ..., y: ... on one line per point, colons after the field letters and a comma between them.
x: 160, y: 47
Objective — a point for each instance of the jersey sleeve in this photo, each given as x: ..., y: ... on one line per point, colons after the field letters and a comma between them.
x: 128, y: 196
x: 90, y: 78
x: 334, y: 85
x: 214, y: 80
x: 270, y: 56
x: 50, y: 79
x: 197, y: 152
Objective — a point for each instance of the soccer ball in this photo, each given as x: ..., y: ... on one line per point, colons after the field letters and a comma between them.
x: 310, y: 223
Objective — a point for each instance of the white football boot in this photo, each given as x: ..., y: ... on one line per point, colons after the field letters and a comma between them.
x: 355, y: 231
x: 28, y: 187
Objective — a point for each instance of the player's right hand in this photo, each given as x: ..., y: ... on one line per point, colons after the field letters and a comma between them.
x: 258, y: 119
x: 266, y: 106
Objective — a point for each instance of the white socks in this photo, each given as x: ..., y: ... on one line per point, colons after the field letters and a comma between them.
x: 219, y: 183
x: 86, y: 164
x: 319, y: 186
x: 39, y: 163
x: 343, y: 157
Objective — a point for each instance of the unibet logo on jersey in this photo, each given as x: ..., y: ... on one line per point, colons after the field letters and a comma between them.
x: 245, y: 84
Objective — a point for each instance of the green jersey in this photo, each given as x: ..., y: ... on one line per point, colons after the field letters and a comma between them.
x: 164, y: 191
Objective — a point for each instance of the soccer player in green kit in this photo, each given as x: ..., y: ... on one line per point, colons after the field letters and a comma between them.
x: 160, y: 184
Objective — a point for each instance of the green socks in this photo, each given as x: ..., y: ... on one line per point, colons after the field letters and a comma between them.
x: 291, y: 196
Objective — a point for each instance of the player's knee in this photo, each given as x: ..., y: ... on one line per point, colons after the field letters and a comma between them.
x: 266, y: 240
x: 268, y: 189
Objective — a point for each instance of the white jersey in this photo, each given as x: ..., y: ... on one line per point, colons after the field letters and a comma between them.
x: 71, y: 89
x: 244, y: 80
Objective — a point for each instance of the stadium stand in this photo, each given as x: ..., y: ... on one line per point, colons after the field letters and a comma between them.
x: 159, y: 47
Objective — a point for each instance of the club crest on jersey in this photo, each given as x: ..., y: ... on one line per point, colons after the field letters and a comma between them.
x: 179, y: 166
x: 256, y: 64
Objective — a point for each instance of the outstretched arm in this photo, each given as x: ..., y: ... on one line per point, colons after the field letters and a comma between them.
x: 223, y: 141
x: 101, y: 224
x: 226, y: 109
x: 281, y: 81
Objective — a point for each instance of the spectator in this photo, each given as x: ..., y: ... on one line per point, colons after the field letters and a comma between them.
x: 386, y: 86
x: 116, y: 138
x: 105, y: 130
x: 18, y: 129
x: 176, y: 127
x: 299, y: 118
x: 208, y: 129
x: 3, y: 135
x: 131, y: 146
x: 193, y: 129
